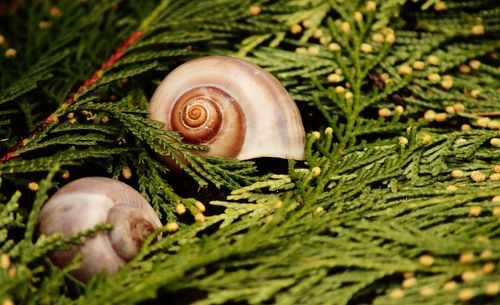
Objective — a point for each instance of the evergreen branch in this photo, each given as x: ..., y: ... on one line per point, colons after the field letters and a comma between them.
x: 67, y: 157
x: 38, y: 203
x: 115, y: 57
x: 397, y: 200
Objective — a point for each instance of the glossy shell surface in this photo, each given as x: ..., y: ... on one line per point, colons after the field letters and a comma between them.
x: 86, y: 202
x: 234, y: 107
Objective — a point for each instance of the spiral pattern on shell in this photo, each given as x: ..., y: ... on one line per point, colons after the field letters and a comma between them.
x: 234, y: 107
x: 200, y: 114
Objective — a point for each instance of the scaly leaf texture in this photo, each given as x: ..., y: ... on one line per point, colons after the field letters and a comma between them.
x: 397, y: 202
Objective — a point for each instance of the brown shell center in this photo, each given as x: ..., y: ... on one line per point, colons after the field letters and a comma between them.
x: 199, y: 111
x: 196, y: 114
x: 210, y: 116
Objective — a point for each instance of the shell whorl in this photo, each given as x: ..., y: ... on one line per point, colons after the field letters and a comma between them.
x: 232, y: 106
x: 202, y: 114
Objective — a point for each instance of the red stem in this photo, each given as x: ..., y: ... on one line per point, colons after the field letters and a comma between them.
x: 115, y: 57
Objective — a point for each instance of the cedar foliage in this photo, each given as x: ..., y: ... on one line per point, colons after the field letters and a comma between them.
x: 398, y: 201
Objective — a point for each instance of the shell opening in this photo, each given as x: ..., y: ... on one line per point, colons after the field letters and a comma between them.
x: 131, y: 226
x: 140, y: 230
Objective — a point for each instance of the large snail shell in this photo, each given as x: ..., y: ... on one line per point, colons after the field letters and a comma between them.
x: 234, y: 107
x: 86, y: 202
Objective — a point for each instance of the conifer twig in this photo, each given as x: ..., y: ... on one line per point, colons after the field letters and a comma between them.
x: 113, y: 59
x: 110, y: 62
x: 489, y: 113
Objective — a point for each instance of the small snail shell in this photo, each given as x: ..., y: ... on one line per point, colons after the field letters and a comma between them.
x: 232, y: 106
x: 86, y: 202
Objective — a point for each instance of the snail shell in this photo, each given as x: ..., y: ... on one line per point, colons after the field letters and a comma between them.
x: 86, y: 202
x: 232, y: 106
